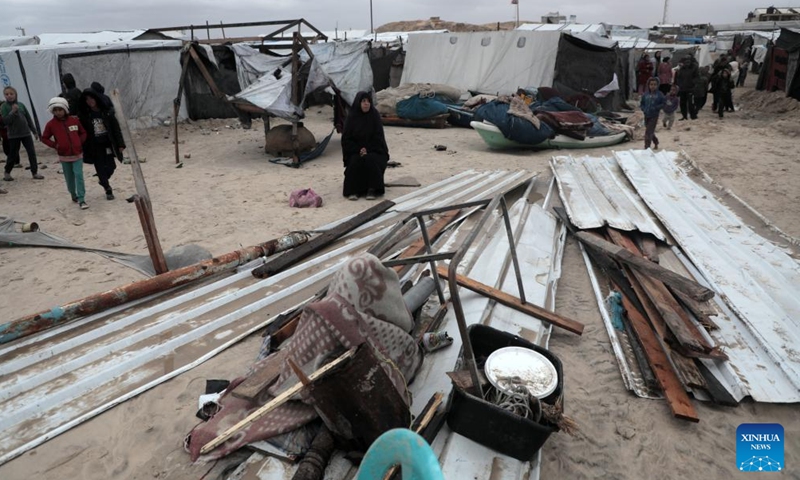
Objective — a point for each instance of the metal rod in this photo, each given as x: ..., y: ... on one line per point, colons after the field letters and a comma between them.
x: 434, y: 257
x: 208, y: 30
x: 449, y: 208
x: 428, y: 249
x: 230, y: 25
x: 512, y: 249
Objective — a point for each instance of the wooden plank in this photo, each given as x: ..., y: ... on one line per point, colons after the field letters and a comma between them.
x: 321, y: 241
x: 649, y: 248
x: 703, y: 311
x: 686, y: 332
x: 687, y: 370
x: 677, y: 398
x: 274, y: 403
x: 515, y: 303
x: 261, y: 379
x: 211, y: 83
x: 679, y: 282
x: 176, y: 106
x: 150, y: 235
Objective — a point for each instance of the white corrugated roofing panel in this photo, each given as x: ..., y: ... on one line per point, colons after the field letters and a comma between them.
x: 596, y: 193
x: 107, y: 36
x: 757, y: 280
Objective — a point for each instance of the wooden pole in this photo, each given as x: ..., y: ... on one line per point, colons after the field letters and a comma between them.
x: 146, y: 208
x: 273, y: 404
x: 295, y: 95
x: 176, y: 105
x: 204, y: 71
x: 515, y: 303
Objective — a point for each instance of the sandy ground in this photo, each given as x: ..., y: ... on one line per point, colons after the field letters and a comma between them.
x: 227, y: 195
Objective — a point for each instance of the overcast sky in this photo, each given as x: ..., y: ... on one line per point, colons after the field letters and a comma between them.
x: 53, y: 16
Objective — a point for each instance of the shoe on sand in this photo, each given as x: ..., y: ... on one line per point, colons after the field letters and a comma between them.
x: 83, y: 206
x: 370, y: 194
x: 353, y: 197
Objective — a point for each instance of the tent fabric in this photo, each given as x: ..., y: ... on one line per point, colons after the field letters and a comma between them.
x: 486, y: 62
x: 43, y: 74
x: 6, y: 42
x: 251, y: 64
x: 595, y: 28
x: 147, y: 79
x: 344, y: 64
x: 106, y: 36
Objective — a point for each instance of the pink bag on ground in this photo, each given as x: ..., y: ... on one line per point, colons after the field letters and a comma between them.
x: 305, y: 197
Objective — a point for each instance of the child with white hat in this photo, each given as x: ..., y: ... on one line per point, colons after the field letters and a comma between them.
x: 66, y: 134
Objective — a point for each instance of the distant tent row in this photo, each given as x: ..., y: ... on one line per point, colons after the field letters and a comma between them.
x: 503, y: 61
x: 780, y: 71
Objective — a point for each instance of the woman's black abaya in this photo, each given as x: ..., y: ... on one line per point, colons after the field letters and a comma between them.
x: 364, y: 173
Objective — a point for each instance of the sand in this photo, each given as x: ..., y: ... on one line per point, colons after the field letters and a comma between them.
x: 227, y: 195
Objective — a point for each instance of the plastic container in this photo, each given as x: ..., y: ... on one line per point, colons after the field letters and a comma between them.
x: 490, y: 425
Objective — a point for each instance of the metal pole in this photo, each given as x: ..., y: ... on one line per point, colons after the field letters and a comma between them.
x: 208, y: 31
x: 371, y: 27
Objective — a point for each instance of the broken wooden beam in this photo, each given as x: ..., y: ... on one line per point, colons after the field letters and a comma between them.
x: 418, y: 247
x: 204, y: 71
x: 686, y: 332
x: 274, y: 403
x: 150, y: 235
x: 515, y: 303
x: 677, y: 398
x: 322, y: 240
x: 679, y: 282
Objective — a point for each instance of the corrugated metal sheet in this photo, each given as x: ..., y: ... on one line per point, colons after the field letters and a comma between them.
x: 758, y: 282
x: 51, y: 383
x: 596, y: 193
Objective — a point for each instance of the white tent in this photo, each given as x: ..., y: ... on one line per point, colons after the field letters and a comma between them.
x: 146, y: 72
x: 564, y: 27
x: 488, y: 62
x: 107, y: 36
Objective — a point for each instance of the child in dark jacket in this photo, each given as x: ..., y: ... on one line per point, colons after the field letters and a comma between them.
x: 671, y: 104
x: 19, y: 127
x: 724, y: 92
x: 66, y: 134
x: 104, y: 143
x: 651, y: 104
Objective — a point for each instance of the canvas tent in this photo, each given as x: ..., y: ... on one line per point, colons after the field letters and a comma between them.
x: 780, y: 70
x: 6, y: 42
x: 146, y: 72
x: 343, y: 64
x: 502, y: 62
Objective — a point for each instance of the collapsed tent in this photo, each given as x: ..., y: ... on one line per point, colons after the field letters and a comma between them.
x: 345, y: 66
x: 145, y: 72
x: 502, y: 62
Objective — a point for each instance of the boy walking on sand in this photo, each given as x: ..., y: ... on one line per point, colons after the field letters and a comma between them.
x: 671, y: 104
x: 19, y: 126
x: 66, y: 134
x: 651, y: 104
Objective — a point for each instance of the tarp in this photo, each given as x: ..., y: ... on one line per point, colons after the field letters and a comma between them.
x: 487, y: 62
x: 251, y: 64
x: 106, y: 36
x: 596, y: 28
x: 148, y: 85
x: 343, y: 64
x: 6, y: 42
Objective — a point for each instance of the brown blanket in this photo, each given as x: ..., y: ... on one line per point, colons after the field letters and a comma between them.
x: 364, y: 304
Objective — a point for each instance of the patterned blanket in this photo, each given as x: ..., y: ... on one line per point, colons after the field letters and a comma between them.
x: 364, y: 304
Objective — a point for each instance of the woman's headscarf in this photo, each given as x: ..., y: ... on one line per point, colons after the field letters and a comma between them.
x: 362, y: 120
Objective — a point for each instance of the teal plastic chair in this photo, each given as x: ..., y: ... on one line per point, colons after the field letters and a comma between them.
x: 404, y: 447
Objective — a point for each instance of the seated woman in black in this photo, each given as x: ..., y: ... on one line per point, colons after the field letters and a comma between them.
x: 364, y: 150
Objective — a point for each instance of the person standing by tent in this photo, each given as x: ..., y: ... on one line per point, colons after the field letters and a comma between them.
x: 66, y: 134
x: 71, y: 93
x: 664, y: 74
x: 644, y: 71
x: 3, y: 140
x: 651, y: 104
x: 686, y: 78
x: 364, y: 150
x: 104, y: 142
x: 101, y: 92
x: 742, y: 73
x: 20, y: 128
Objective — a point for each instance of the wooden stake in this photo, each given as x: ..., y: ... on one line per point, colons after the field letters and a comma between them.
x: 204, y: 71
x: 273, y: 404
x: 176, y: 105
x: 144, y: 207
x: 515, y: 303
x: 679, y: 282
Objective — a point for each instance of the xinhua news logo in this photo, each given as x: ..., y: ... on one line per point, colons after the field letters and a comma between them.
x: 759, y: 447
